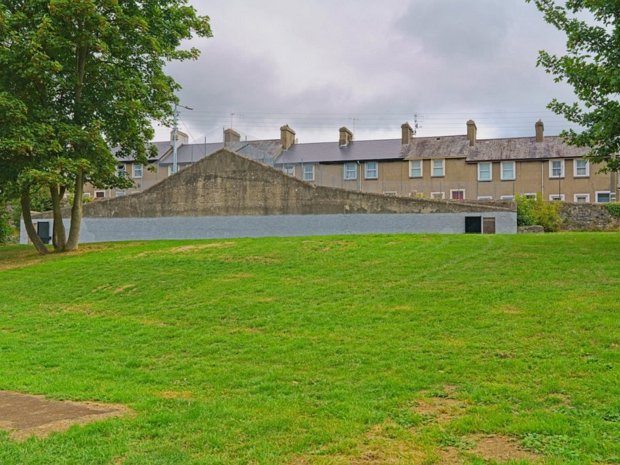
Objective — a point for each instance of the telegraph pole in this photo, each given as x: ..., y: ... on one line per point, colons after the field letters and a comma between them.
x: 175, y: 135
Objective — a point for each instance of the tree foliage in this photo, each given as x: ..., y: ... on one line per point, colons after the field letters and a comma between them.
x: 592, y: 67
x: 78, y: 77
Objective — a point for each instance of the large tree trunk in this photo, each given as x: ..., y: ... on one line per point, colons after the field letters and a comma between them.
x: 32, y: 233
x: 59, y: 235
x: 76, y: 212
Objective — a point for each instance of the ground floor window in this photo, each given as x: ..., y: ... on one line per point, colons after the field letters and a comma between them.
x: 289, y: 169
x: 350, y: 171
x: 556, y: 197
x: 308, y: 172
x: 371, y: 170
x: 438, y: 195
x: 457, y: 194
x: 604, y: 197
x: 530, y: 195
x: 507, y: 197
x: 485, y: 197
x: 100, y: 194
x: 582, y: 198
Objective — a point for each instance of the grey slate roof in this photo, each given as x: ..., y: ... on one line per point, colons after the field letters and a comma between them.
x: 519, y: 148
x: 191, y: 153
x: 265, y: 151
x: 326, y: 152
x: 162, y: 149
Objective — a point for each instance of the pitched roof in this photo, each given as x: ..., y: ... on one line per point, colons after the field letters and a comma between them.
x: 162, y: 148
x: 265, y: 151
x: 326, y: 152
x: 518, y: 148
x: 191, y: 153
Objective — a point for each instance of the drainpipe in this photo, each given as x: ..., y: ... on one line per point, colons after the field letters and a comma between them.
x: 359, y: 176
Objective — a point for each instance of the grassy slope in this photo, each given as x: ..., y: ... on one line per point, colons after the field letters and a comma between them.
x: 260, y: 351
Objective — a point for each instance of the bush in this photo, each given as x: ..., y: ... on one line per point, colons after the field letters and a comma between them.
x: 6, y: 230
x: 613, y: 208
x: 537, y: 211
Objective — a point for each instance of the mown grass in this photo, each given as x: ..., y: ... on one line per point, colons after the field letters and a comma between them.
x: 278, y: 351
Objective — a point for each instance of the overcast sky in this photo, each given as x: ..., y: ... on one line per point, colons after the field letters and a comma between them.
x: 369, y: 65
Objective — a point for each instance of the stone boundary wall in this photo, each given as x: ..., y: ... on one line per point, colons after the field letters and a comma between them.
x: 226, y: 184
x: 587, y: 217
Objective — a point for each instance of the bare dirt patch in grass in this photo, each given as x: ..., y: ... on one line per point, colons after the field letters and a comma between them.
x: 26, y: 415
x: 123, y: 288
x: 441, y: 408
x: 500, y: 449
x: 186, y: 395
x: 194, y: 248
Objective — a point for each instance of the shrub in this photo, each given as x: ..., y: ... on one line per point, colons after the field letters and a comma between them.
x: 613, y: 208
x: 6, y: 230
x: 537, y: 211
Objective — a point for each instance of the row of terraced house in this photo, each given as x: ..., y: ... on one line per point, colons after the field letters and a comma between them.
x: 460, y: 167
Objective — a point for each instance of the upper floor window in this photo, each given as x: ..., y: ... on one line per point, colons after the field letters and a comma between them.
x: 556, y: 169
x: 439, y: 168
x: 485, y: 171
x: 289, y: 169
x: 121, y: 171
x: 308, y: 172
x: 350, y: 171
x: 508, y: 171
x: 137, y: 170
x: 415, y: 169
x: 581, y: 168
x: 371, y: 170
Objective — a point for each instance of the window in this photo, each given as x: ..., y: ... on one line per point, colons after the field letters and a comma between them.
x: 485, y: 197
x: 485, y: 171
x: 507, y: 197
x: 390, y: 193
x: 137, y: 170
x: 582, y: 198
x: 308, y: 172
x: 438, y: 195
x: 556, y: 197
x: 350, y: 171
x: 289, y: 169
x: 86, y: 195
x: 530, y: 195
x: 415, y: 169
x: 556, y: 169
x: 100, y: 194
x: 603, y: 197
x: 581, y: 168
x: 120, y: 193
x: 121, y: 171
x: 457, y: 194
x: 508, y: 171
x: 371, y: 170
x: 439, y: 168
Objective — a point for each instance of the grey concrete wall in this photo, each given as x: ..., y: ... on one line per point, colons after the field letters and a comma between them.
x: 216, y: 227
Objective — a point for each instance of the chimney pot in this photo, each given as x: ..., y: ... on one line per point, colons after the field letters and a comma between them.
x: 287, y: 137
x: 472, y: 132
x: 540, y: 131
x: 407, y: 134
x: 346, y: 136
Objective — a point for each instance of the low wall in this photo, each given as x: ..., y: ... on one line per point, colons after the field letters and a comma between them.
x: 219, y: 227
x: 587, y: 217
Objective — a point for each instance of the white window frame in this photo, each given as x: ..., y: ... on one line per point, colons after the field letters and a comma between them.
x: 490, y: 178
x: 420, y: 166
x: 100, y: 192
x: 305, y: 173
x: 485, y: 197
x: 611, y: 196
x: 507, y: 197
x: 514, y: 170
x: 575, y: 173
x: 348, y: 174
x: 531, y: 195
x: 121, y: 171
x: 557, y: 197
x: 457, y: 190
x: 438, y: 195
x: 137, y: 170
x: 120, y: 194
x: 443, y: 167
x: 390, y: 193
x: 585, y: 196
x: 86, y: 195
x: 562, y: 171
x: 289, y: 170
x: 368, y: 170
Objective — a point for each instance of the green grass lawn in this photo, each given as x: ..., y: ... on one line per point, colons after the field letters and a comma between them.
x: 317, y: 350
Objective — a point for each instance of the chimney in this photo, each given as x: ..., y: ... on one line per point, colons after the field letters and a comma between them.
x: 231, y: 136
x: 287, y: 136
x: 346, y: 136
x: 182, y: 138
x: 472, y: 132
x: 540, y: 131
x: 407, y: 134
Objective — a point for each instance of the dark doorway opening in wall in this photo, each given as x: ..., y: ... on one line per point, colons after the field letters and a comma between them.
x: 43, y: 231
x: 473, y: 225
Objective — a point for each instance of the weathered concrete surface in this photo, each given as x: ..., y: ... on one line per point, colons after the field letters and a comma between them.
x: 226, y: 184
x: 587, y: 217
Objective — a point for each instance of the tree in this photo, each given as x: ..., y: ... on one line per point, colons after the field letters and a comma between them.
x: 80, y: 77
x: 592, y: 67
